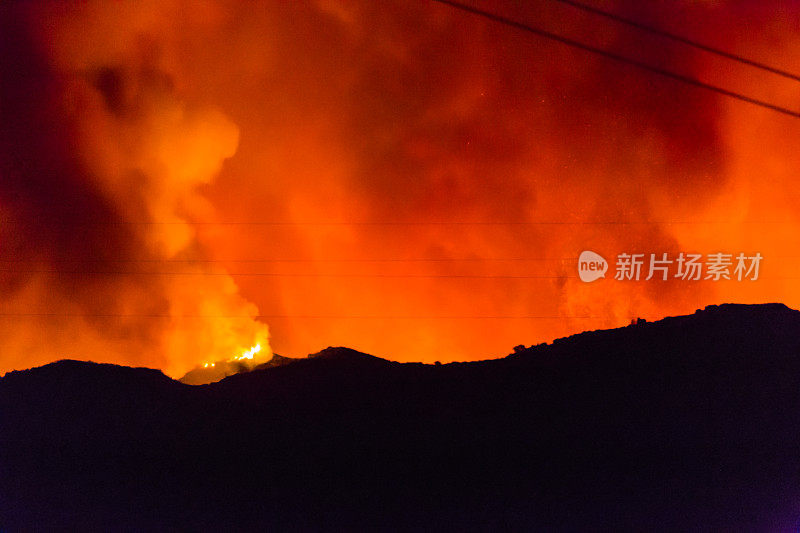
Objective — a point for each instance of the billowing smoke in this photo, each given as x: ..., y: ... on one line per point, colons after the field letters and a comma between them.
x: 419, y: 176
x: 101, y: 164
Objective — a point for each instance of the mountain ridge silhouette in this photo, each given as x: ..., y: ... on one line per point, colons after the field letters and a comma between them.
x: 688, y: 422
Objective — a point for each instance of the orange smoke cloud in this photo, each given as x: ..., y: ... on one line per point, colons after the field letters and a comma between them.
x: 118, y: 185
x: 402, y: 178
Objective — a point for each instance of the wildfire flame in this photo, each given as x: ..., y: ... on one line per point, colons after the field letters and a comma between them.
x: 249, y: 354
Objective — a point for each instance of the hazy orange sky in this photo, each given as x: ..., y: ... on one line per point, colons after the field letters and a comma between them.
x: 180, y: 180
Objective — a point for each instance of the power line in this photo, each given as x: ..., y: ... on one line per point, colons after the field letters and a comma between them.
x: 403, y: 223
x: 299, y: 260
x: 678, y: 38
x: 617, y: 57
x: 291, y: 260
x: 268, y: 317
x: 273, y: 275
x: 309, y: 275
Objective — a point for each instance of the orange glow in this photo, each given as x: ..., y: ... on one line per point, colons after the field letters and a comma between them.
x: 403, y: 179
x: 248, y: 355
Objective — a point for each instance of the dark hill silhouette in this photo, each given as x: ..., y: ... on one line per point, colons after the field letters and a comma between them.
x: 688, y: 423
x: 347, y: 355
x: 276, y: 360
x: 202, y: 375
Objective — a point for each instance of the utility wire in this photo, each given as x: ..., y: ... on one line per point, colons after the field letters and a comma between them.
x: 291, y: 260
x: 617, y: 57
x: 272, y: 275
x: 678, y: 38
x: 251, y: 317
x: 311, y: 275
x: 401, y: 223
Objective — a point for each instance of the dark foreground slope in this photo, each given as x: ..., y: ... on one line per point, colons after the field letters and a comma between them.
x: 687, y: 423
